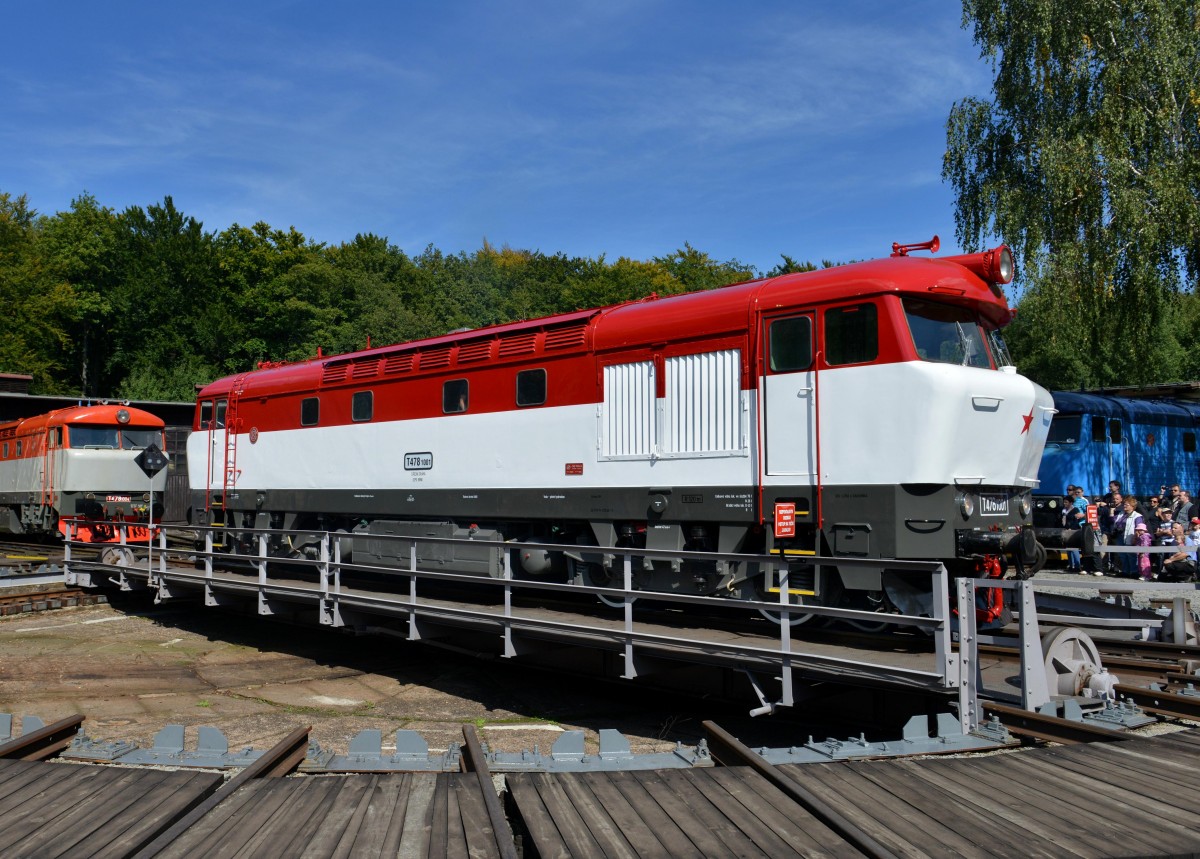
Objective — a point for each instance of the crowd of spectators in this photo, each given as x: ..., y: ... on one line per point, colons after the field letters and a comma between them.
x: 1170, y: 519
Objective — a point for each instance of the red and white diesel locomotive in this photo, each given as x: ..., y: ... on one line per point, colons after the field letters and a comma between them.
x: 868, y: 411
x: 78, y: 465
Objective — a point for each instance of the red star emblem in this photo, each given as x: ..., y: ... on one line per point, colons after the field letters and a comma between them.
x: 1028, y: 420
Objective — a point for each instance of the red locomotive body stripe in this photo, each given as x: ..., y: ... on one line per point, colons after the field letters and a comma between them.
x: 574, y: 348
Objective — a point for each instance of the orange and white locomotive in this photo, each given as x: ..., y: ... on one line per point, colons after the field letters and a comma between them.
x: 79, y: 465
x: 868, y: 411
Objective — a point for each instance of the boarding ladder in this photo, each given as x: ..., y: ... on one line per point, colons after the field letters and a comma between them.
x: 229, y: 472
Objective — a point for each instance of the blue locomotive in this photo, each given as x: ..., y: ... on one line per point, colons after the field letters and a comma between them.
x: 1144, y: 444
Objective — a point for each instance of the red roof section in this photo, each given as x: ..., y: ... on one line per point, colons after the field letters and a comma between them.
x: 680, y: 317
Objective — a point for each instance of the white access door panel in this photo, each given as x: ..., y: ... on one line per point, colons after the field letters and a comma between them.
x: 789, y: 398
x: 629, y: 423
x: 703, y: 406
x: 790, y: 405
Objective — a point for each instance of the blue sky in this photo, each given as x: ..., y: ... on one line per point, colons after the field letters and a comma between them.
x: 619, y: 128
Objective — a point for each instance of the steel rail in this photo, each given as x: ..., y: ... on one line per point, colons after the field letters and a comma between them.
x: 44, y: 742
x: 278, y: 761
x: 1164, y: 650
x: 1039, y: 726
x: 1162, y: 703
x: 728, y: 751
x: 475, y: 761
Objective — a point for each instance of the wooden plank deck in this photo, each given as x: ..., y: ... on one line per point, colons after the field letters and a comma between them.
x: 1140, y: 797
x: 68, y: 810
x: 409, y: 814
x: 728, y: 811
x: 1136, y: 798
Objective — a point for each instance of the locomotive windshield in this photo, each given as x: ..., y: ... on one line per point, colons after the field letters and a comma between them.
x: 946, y: 333
x: 114, y: 438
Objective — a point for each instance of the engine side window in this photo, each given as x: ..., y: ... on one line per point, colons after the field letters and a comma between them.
x: 1189, y: 442
x: 851, y: 334
x: 791, y: 344
x: 1099, y: 429
x: 362, y: 406
x: 531, y: 387
x: 206, y: 414
x: 310, y: 411
x: 454, y: 396
x: 1064, y: 429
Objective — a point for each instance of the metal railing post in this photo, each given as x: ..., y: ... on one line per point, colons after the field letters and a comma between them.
x: 785, y: 635
x: 948, y: 664
x: 627, y: 566
x: 1034, y: 690
x: 968, y: 657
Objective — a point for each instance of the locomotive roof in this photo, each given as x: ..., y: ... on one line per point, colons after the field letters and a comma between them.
x: 1146, y: 411
x: 683, y: 317
x: 91, y: 414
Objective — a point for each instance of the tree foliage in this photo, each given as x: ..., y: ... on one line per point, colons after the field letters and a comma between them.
x: 147, y: 303
x: 1086, y: 160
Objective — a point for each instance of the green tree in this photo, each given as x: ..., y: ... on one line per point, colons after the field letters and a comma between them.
x: 694, y: 270
x: 1086, y: 160
x: 39, y: 307
x: 167, y: 306
x: 83, y: 247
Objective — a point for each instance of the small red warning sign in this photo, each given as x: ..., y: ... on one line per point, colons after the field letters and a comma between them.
x: 785, y: 519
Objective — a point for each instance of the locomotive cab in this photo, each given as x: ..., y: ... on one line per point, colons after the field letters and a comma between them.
x: 78, y: 466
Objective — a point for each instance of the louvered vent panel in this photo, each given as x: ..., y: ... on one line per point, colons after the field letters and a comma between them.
x: 435, y: 358
x: 518, y: 344
x: 628, y: 419
x: 703, y: 411
x: 480, y: 350
x: 565, y: 338
x: 333, y: 373
x: 401, y: 363
x: 364, y: 369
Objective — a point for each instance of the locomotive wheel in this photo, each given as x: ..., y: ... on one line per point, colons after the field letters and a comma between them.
x: 875, y: 601
x: 1071, y: 660
x: 1038, y: 562
x: 116, y: 556
x: 795, y: 618
x: 599, y: 576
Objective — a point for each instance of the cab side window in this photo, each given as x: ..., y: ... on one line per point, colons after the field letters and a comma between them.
x: 310, y: 411
x: 851, y: 334
x: 791, y: 344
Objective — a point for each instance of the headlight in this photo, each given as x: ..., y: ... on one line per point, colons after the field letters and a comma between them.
x: 1005, y: 268
x: 1024, y: 506
x: 966, y: 505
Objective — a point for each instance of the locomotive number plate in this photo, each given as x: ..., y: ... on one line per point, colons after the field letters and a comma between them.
x: 993, y: 505
x: 418, y: 461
